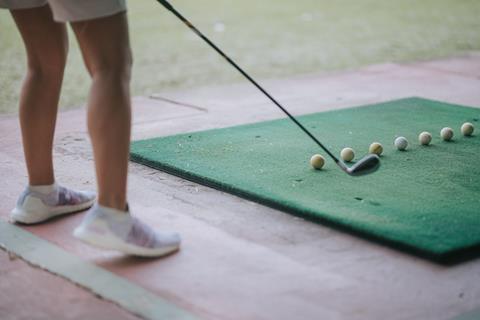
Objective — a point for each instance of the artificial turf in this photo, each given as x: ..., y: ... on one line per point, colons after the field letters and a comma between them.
x: 425, y: 200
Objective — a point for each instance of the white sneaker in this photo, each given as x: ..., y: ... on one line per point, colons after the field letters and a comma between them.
x: 37, y: 205
x: 117, y: 230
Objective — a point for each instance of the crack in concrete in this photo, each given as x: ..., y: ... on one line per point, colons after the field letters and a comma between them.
x: 178, y: 103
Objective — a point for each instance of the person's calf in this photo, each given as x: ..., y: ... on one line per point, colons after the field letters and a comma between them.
x: 109, y: 117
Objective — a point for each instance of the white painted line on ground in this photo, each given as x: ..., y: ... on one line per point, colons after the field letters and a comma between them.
x: 107, y: 285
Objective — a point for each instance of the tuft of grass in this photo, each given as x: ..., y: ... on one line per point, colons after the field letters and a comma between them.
x: 268, y: 38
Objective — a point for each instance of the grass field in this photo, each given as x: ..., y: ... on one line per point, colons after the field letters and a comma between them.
x: 268, y: 38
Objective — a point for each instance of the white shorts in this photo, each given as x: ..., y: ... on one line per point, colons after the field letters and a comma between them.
x: 71, y: 10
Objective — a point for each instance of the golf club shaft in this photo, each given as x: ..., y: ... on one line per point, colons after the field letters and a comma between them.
x: 169, y: 7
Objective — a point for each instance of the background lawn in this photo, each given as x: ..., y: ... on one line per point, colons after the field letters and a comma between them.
x: 269, y: 38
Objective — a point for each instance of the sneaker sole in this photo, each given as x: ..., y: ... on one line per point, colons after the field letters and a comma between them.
x: 111, y: 243
x: 27, y: 217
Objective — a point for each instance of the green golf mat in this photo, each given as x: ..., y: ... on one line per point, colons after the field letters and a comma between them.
x: 425, y: 200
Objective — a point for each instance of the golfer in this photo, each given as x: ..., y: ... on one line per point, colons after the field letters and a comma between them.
x: 101, y: 29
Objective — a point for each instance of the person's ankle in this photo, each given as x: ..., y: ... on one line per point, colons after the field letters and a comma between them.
x: 43, y: 188
x: 41, y: 181
x: 113, y: 203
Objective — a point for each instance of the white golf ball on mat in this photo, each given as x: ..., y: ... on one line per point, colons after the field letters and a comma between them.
x: 401, y: 143
x: 446, y: 134
x: 317, y: 161
x: 376, y: 148
x: 425, y: 138
x: 467, y: 129
x: 347, y: 154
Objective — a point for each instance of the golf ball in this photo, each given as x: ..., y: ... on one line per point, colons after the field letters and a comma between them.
x: 347, y: 154
x: 425, y: 138
x: 446, y: 134
x: 467, y: 129
x: 376, y: 148
x: 401, y: 143
x: 317, y: 161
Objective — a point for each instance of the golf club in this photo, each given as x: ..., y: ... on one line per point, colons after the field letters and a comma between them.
x: 366, y: 165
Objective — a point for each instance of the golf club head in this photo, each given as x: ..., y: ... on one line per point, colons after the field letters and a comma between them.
x: 366, y: 165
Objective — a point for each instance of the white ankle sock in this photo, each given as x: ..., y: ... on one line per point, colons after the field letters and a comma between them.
x: 111, y: 212
x: 44, y: 189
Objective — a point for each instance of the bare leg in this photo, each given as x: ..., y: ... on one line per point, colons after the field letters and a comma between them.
x: 46, y: 45
x: 106, y: 51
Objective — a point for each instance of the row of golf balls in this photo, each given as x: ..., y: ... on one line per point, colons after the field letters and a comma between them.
x: 347, y: 154
x: 425, y: 137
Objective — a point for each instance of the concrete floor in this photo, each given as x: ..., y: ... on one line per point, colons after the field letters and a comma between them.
x: 30, y: 293
x: 241, y: 260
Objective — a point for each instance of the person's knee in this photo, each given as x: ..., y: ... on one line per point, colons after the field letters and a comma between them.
x: 116, y: 70
x: 49, y: 66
